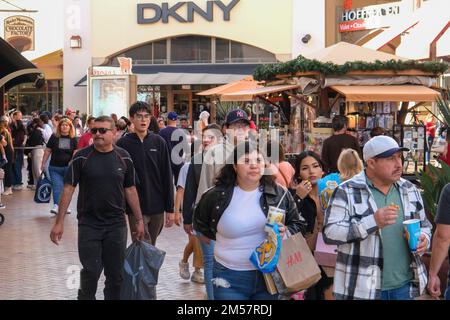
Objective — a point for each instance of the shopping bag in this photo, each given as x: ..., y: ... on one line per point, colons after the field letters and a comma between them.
x: 325, y: 254
x: 141, y: 270
x: 43, y: 189
x: 296, y: 266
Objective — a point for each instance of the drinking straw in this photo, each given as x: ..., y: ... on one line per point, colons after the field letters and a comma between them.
x: 281, y: 200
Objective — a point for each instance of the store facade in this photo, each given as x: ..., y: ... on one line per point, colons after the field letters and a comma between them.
x: 181, y: 48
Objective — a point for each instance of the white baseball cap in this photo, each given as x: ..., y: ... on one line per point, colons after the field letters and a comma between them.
x: 381, y: 147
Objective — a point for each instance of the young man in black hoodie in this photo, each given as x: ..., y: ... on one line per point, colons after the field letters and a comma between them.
x: 154, y: 181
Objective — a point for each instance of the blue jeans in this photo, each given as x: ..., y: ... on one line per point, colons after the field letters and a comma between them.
x: 17, y: 168
x: 402, y: 293
x: 208, y: 264
x: 447, y: 293
x: 239, y: 285
x: 57, y: 176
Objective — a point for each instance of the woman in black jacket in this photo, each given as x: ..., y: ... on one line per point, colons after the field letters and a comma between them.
x: 234, y: 214
x: 309, y: 170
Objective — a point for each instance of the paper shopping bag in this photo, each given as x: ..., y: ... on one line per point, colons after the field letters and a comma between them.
x: 296, y: 265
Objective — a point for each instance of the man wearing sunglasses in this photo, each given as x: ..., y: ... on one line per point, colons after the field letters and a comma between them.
x: 151, y: 159
x: 107, y: 180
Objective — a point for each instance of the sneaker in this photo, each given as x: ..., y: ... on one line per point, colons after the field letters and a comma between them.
x: 8, y: 191
x: 31, y: 186
x: 197, y: 276
x: 2, y: 206
x: 184, y: 270
x: 54, y: 210
x: 18, y: 187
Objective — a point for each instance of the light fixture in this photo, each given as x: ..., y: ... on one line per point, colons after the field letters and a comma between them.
x: 306, y: 38
x: 75, y: 42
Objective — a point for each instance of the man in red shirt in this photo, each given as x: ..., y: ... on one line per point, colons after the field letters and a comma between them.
x: 86, y: 139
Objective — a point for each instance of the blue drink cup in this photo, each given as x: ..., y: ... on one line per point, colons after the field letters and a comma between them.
x: 412, y: 228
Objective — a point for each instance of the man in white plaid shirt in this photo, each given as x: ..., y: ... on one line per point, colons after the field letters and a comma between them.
x: 365, y: 219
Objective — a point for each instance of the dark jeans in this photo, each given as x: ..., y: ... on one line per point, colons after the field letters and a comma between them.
x: 402, y: 293
x: 7, y: 182
x: 100, y: 248
x: 30, y: 170
x: 17, y: 168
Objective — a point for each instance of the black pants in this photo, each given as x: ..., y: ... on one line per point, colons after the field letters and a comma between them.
x: 30, y: 169
x: 8, y: 168
x: 98, y: 249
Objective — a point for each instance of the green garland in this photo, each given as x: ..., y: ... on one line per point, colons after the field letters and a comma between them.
x: 268, y: 72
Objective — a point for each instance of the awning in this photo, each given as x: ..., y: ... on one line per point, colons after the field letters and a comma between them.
x: 260, y: 91
x: 51, y: 64
x: 15, y: 68
x: 387, y: 93
x: 179, y: 74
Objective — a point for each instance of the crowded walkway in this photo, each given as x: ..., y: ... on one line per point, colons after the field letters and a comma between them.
x: 33, y: 268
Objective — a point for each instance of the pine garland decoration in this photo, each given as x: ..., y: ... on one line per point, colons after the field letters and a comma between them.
x: 268, y: 72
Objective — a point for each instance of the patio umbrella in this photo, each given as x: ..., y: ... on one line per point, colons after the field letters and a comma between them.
x: 247, y: 83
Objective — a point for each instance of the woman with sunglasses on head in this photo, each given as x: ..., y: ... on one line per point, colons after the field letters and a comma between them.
x: 61, y: 146
x: 234, y: 214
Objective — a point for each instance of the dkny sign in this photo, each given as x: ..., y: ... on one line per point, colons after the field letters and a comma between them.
x: 151, y: 13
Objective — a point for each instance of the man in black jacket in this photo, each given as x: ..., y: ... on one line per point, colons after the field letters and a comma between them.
x: 151, y: 159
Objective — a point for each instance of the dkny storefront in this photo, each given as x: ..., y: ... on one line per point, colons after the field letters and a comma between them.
x: 179, y: 48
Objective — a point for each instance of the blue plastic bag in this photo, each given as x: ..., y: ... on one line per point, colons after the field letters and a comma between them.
x: 265, y: 256
x: 43, y: 190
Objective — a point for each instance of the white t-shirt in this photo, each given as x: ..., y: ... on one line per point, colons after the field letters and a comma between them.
x: 182, y: 176
x: 47, y: 133
x: 240, y: 230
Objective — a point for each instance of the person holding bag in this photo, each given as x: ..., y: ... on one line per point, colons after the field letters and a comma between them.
x: 234, y: 214
x: 309, y: 172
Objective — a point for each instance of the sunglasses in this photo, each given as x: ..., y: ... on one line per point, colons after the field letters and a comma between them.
x: 100, y: 130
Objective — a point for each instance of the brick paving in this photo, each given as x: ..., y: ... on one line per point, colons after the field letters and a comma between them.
x: 33, y: 268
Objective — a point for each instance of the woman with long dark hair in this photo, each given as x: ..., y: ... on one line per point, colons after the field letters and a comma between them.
x: 234, y: 214
x: 309, y: 170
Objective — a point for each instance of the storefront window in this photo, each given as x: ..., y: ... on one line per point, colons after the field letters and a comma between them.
x: 195, y: 49
x: 191, y: 49
x: 143, y: 53
x: 27, y: 98
x: 160, y: 52
x: 244, y: 53
x: 222, y: 51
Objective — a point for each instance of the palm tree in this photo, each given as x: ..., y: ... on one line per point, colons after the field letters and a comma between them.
x: 434, y: 179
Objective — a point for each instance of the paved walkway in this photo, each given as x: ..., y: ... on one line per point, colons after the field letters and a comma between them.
x: 32, y: 267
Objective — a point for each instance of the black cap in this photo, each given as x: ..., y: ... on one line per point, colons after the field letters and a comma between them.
x: 236, y: 115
